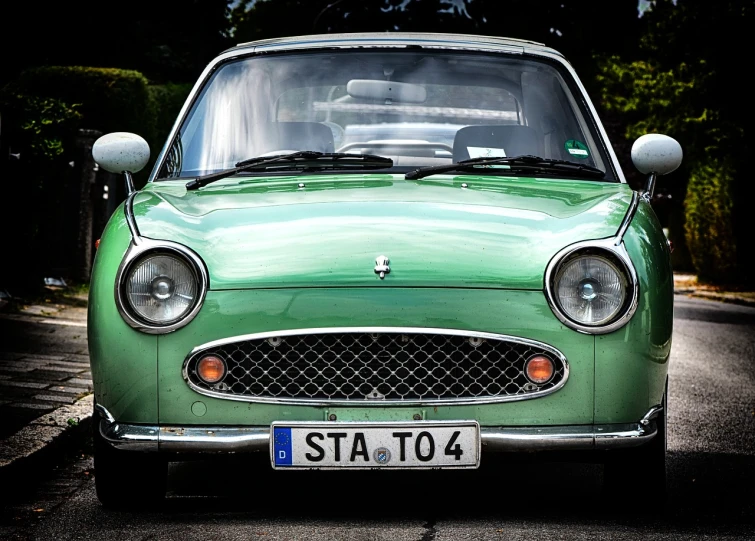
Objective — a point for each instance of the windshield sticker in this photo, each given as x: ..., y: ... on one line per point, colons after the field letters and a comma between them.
x: 483, y: 152
x: 577, y: 149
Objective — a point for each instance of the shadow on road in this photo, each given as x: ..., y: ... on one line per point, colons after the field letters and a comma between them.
x: 707, y: 492
x: 709, y: 496
x: 712, y: 312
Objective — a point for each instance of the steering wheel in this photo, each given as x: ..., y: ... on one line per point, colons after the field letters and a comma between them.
x: 338, y: 132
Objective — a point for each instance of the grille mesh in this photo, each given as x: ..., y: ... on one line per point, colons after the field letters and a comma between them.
x: 351, y: 366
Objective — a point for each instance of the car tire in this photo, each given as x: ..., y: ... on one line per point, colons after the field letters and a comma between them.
x: 127, y: 479
x: 636, y: 478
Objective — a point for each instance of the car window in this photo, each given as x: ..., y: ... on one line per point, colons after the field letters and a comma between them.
x: 409, y: 106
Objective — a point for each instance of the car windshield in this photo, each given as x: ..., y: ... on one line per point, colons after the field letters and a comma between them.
x: 419, y: 108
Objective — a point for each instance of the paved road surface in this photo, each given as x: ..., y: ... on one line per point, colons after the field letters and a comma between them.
x: 711, y: 469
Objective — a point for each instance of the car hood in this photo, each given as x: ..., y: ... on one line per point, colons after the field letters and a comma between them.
x: 490, y: 232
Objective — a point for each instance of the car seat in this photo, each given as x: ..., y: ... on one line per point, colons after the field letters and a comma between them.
x: 497, y: 140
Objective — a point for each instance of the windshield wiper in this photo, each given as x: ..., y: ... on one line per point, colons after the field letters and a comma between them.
x: 515, y: 163
x: 306, y: 160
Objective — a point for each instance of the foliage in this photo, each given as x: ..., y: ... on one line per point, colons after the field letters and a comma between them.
x: 169, y: 40
x: 654, y: 100
x: 111, y: 99
x: 687, y: 83
x: 573, y: 27
x: 41, y: 112
x: 709, y: 226
x: 41, y: 124
x: 107, y: 100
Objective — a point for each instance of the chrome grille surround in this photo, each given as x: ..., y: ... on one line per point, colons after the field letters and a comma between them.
x: 406, y: 365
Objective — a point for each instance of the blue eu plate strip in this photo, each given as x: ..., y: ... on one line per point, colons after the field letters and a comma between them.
x: 282, y: 448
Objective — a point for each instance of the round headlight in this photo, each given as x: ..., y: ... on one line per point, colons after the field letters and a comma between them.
x: 161, y: 288
x: 590, y: 289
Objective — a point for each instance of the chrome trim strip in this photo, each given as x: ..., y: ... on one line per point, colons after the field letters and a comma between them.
x: 631, y: 211
x: 272, y: 45
x: 633, y: 435
x: 618, y: 250
x: 104, y: 413
x: 198, y: 439
x: 426, y: 40
x: 137, y: 250
x: 130, y: 437
x: 651, y: 414
x: 366, y: 402
x: 222, y: 440
x: 570, y: 438
x: 128, y: 210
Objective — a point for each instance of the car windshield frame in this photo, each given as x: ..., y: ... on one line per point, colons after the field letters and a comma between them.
x: 592, y: 132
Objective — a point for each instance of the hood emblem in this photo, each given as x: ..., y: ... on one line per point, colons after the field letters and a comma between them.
x: 381, y: 266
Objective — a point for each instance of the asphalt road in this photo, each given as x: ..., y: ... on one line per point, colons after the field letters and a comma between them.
x: 711, y: 478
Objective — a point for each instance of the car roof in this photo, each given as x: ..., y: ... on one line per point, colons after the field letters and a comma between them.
x: 396, y: 39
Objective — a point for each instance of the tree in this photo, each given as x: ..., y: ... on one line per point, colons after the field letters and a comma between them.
x: 169, y: 40
x: 688, y: 83
x: 576, y: 28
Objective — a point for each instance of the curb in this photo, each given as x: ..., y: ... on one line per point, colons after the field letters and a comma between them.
x: 727, y: 297
x: 44, y: 435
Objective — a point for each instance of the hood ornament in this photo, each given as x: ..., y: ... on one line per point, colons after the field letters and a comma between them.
x: 381, y: 266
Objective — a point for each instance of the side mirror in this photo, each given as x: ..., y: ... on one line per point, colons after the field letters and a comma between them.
x: 121, y: 152
x: 655, y: 154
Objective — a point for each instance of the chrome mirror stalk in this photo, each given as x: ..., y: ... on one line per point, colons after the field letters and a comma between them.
x: 129, y: 182
x: 647, y: 194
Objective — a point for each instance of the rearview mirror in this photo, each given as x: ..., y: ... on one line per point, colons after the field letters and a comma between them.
x: 386, y: 90
x: 655, y: 153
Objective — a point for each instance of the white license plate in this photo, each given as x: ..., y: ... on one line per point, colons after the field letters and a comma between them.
x: 409, y: 445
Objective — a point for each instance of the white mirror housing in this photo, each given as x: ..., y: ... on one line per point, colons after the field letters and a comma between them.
x: 656, y: 153
x: 121, y: 152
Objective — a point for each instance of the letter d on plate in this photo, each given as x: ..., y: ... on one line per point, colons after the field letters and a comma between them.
x: 282, y: 446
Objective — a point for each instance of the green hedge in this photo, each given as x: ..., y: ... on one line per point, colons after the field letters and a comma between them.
x: 103, y: 99
x: 110, y: 99
x: 38, y: 125
x: 709, y: 225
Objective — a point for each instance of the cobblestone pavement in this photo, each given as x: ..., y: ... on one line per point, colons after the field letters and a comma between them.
x: 44, y: 363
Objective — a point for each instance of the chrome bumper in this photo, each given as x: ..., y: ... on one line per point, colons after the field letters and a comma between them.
x: 195, y: 439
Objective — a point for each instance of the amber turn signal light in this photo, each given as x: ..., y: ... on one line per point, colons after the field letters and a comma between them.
x: 539, y: 369
x: 211, y: 369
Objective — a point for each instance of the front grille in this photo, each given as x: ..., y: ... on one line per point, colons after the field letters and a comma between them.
x: 402, y: 366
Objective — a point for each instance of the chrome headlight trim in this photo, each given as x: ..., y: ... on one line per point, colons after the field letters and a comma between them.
x: 616, y: 252
x: 136, y: 253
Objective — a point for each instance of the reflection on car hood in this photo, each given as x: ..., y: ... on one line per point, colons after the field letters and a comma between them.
x: 495, y: 233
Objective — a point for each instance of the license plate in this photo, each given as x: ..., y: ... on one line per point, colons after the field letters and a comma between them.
x: 409, y: 445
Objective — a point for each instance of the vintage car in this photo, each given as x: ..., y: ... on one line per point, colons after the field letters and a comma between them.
x: 473, y: 275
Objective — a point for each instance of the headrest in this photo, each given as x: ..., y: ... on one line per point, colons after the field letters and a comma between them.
x: 494, y: 140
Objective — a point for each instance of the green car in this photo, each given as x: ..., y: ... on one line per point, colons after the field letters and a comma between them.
x: 381, y: 251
